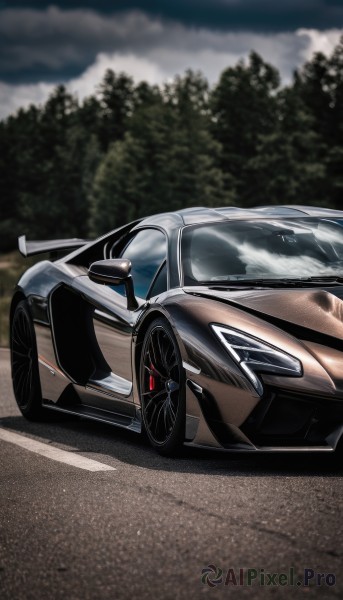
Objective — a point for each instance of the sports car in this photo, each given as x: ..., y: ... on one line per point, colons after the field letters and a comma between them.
x: 218, y: 328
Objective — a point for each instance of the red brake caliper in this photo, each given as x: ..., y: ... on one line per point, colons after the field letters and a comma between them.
x: 151, y: 379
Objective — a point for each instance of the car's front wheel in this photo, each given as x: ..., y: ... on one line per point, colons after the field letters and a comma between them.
x: 162, y: 389
x: 24, y: 362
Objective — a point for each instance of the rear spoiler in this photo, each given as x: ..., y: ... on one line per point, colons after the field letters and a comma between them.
x: 42, y: 246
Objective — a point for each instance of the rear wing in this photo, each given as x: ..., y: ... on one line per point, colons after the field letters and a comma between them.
x: 42, y: 246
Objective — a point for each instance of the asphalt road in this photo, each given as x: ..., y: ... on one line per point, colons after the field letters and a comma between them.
x: 149, y: 527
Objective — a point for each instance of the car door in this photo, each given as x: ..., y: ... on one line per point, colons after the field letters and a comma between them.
x: 113, y: 323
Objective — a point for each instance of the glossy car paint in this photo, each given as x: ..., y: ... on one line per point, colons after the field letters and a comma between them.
x: 89, y: 346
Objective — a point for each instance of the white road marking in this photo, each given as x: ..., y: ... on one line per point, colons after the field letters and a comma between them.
x: 63, y: 456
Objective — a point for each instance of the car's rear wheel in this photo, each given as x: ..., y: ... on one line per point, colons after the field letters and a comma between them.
x: 162, y: 389
x: 24, y: 361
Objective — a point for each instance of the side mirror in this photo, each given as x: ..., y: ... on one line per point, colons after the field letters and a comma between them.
x: 115, y: 271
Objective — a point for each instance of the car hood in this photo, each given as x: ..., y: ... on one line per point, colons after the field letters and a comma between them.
x: 318, y: 310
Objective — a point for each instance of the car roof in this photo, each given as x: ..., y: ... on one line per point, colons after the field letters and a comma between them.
x: 173, y: 222
x: 202, y: 214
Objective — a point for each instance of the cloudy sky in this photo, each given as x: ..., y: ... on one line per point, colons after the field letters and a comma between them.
x: 74, y: 41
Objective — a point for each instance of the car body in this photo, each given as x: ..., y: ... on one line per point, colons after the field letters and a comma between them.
x: 227, y: 332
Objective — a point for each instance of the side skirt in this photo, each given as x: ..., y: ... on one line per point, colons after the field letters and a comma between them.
x: 103, y: 416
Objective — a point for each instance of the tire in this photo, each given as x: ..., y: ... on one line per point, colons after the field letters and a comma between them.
x: 162, y: 389
x: 24, y: 363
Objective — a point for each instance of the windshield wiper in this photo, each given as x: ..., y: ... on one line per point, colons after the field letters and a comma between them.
x: 314, y: 281
x: 337, y: 279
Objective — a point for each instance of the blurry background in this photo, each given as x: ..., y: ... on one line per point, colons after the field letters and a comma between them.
x: 114, y: 110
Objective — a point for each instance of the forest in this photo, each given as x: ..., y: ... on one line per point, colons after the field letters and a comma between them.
x: 70, y: 168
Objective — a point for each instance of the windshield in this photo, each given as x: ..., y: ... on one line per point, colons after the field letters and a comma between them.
x: 258, y: 249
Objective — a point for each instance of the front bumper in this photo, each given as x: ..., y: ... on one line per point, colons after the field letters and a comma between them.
x: 280, y: 421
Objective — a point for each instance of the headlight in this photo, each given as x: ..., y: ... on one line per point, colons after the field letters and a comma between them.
x: 255, y: 356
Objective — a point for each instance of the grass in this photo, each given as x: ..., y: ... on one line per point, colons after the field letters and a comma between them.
x: 12, y: 265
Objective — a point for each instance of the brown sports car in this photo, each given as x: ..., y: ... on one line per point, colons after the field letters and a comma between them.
x: 218, y: 328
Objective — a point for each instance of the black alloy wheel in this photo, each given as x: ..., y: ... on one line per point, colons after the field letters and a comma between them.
x: 162, y: 389
x: 24, y: 362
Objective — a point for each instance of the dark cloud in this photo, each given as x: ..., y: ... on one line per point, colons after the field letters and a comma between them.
x: 74, y: 41
x: 40, y: 42
x: 53, y: 44
x: 233, y: 15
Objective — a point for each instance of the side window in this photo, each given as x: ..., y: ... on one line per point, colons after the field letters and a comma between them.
x: 160, y: 284
x: 147, y: 251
